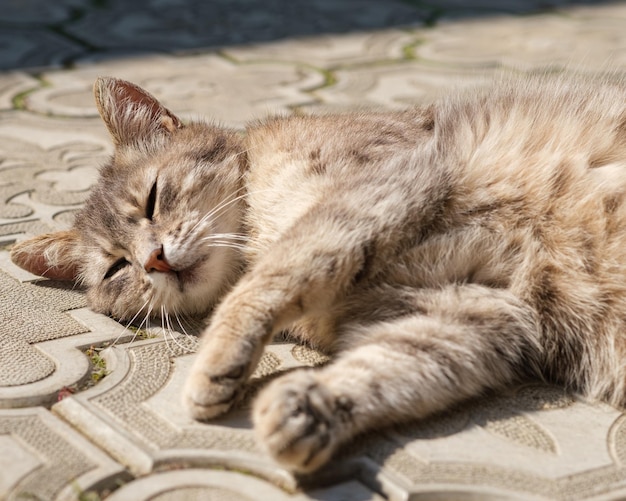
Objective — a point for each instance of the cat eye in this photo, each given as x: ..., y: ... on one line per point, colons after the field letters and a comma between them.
x: 117, y: 266
x: 151, y: 203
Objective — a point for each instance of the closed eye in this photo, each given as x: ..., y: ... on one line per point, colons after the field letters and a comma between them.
x: 151, y: 203
x: 119, y: 265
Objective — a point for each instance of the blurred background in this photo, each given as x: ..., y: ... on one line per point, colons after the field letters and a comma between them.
x: 237, y: 59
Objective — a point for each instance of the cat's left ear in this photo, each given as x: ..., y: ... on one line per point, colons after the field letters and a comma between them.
x: 130, y: 113
x: 52, y: 255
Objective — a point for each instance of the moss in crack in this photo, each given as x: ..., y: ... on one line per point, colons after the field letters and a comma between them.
x: 98, y: 371
x: 408, y: 51
x: 19, y: 100
x: 98, y: 364
x: 101, y: 493
x: 140, y: 333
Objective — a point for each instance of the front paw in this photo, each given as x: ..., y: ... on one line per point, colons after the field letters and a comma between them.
x: 207, y: 395
x: 296, y: 420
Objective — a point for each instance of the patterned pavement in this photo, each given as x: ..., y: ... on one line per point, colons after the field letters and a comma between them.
x: 66, y: 432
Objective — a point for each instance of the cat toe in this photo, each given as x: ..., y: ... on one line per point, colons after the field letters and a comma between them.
x: 206, y: 396
x: 293, y: 419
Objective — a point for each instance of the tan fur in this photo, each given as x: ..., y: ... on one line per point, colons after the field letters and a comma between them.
x: 439, y: 252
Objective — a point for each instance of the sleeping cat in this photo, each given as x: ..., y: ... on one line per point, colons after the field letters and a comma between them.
x: 439, y: 252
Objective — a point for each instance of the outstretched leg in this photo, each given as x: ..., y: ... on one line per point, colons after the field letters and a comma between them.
x: 315, y: 263
x: 466, y: 339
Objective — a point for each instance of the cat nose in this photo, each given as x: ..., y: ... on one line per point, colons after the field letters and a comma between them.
x: 157, y: 262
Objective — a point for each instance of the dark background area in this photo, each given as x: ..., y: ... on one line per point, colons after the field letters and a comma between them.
x: 44, y: 33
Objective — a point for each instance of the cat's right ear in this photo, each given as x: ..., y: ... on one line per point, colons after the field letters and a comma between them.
x: 52, y: 255
x: 131, y: 114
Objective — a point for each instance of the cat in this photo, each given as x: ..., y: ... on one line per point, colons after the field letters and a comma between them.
x: 438, y: 252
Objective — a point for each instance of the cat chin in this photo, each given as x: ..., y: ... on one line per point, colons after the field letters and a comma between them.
x: 182, y: 292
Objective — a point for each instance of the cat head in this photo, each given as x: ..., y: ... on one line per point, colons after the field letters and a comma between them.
x: 161, y: 229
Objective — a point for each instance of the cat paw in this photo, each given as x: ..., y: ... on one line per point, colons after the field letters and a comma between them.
x: 295, y: 419
x: 208, y: 395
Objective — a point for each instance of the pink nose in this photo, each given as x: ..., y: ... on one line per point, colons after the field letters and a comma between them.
x: 157, y: 261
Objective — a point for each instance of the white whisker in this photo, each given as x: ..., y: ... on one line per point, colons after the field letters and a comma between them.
x: 193, y: 339
x: 173, y: 333
x: 230, y: 245
x: 169, y: 349
x: 220, y: 207
x: 126, y: 328
x: 234, y: 236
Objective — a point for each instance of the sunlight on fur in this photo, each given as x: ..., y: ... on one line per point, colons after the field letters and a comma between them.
x: 437, y: 252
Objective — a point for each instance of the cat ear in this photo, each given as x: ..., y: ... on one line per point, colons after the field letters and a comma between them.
x: 52, y: 255
x: 130, y: 113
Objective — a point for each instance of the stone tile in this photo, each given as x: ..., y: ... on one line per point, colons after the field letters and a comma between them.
x: 38, y: 12
x: 392, y: 86
x: 199, y: 484
x: 597, y: 11
x: 33, y: 313
x: 461, y: 9
x: 34, y: 48
x: 193, y: 86
x: 533, y: 42
x: 12, y: 85
x: 42, y: 342
x: 176, y: 24
x: 525, y: 445
x: 46, y: 168
x: 44, y: 458
x: 533, y: 443
x: 135, y: 415
x: 329, y: 50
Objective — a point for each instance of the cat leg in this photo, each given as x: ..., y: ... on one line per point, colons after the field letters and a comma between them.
x: 308, y: 269
x: 465, y: 340
x: 293, y: 282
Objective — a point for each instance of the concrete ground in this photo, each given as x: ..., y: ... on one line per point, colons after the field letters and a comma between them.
x: 67, y: 432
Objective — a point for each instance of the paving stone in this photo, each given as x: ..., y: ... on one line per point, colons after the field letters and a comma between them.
x: 200, y: 485
x: 141, y: 396
x: 526, y: 445
x: 176, y: 24
x: 534, y: 442
x: 523, y: 445
x: 392, y: 86
x: 601, y: 11
x: 34, y: 48
x: 38, y: 12
x: 534, y: 42
x: 329, y: 50
x: 461, y: 9
x: 12, y: 85
x: 46, y: 168
x: 44, y: 458
x: 206, y: 86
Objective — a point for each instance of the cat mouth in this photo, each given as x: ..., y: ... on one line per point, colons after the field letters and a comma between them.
x: 189, y: 275
x: 186, y: 275
x: 180, y: 277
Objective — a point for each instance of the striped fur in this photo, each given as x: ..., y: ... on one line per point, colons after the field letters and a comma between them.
x: 438, y: 252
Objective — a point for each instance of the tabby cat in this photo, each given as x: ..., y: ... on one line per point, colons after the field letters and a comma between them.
x: 438, y: 252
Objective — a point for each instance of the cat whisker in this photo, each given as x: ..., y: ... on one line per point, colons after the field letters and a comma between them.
x: 215, y: 212
x: 171, y: 332
x: 167, y: 344
x: 192, y: 339
x: 230, y: 245
x: 127, y: 326
x: 234, y: 236
x: 229, y: 201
